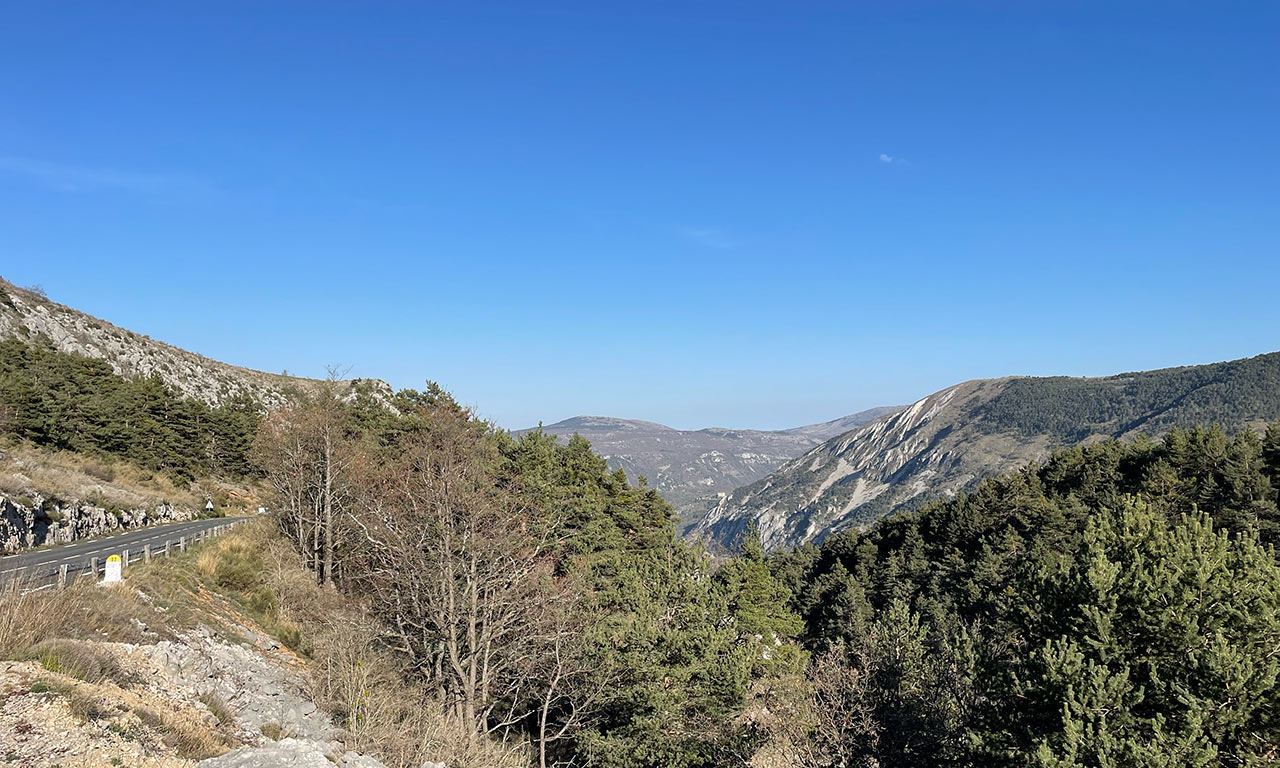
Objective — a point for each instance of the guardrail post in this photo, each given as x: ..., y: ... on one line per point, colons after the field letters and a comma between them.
x: 182, y: 543
x: 166, y: 548
x: 93, y: 567
x: 124, y: 558
x: 62, y: 576
x: 146, y: 553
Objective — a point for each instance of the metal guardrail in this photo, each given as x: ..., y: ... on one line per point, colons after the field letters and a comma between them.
x: 35, y: 578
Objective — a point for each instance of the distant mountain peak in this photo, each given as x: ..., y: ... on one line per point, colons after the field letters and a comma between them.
x: 689, y: 467
x: 590, y: 423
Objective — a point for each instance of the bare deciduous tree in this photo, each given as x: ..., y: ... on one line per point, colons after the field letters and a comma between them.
x: 308, y: 456
x: 570, y: 681
x: 456, y: 565
x: 823, y: 721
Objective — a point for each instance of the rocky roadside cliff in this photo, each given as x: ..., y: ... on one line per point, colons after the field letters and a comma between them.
x: 35, y: 521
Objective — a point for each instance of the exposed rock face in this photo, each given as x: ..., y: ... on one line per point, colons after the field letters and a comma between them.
x: 28, y: 316
x: 887, y: 462
x: 261, y: 685
x: 45, y: 522
x: 250, y: 678
x: 954, y: 438
x: 286, y: 753
x: 689, y: 467
x: 290, y: 753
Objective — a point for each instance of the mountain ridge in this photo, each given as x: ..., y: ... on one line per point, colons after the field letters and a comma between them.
x: 688, y: 467
x: 953, y: 438
x: 30, y: 316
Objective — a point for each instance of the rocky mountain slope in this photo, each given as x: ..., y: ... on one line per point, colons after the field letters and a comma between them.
x: 829, y: 429
x: 29, y: 316
x: 689, y: 467
x: 951, y: 439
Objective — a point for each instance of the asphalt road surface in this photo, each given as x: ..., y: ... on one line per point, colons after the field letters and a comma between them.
x: 42, y: 565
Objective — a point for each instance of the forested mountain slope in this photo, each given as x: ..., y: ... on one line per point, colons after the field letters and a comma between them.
x: 27, y: 316
x: 1116, y: 605
x: 953, y: 438
x: 689, y: 467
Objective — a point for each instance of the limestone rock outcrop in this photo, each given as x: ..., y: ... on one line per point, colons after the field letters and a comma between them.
x: 36, y: 521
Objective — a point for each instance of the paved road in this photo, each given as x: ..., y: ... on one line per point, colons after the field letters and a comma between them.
x: 43, y: 564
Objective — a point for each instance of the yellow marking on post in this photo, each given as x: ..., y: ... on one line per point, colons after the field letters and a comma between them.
x: 113, y: 559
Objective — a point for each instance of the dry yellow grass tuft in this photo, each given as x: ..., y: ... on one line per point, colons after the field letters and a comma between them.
x: 80, y: 612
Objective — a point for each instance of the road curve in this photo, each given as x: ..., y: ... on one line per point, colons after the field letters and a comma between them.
x: 43, y: 564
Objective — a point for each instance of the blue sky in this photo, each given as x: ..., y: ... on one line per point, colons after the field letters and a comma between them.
x: 700, y: 213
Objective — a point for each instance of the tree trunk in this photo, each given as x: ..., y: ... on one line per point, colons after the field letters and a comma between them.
x: 328, y: 508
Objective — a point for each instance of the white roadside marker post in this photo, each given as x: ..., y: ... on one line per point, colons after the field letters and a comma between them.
x: 112, y: 575
x: 62, y: 576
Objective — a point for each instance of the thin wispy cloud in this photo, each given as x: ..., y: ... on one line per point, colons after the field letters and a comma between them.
x: 75, y: 178
x: 887, y: 159
x: 710, y: 237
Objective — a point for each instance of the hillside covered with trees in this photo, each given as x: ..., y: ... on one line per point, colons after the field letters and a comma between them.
x: 957, y: 437
x: 540, y: 596
x: 68, y: 402
x: 1116, y: 606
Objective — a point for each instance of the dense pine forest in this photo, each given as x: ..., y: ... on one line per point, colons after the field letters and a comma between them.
x: 1114, y: 605
x: 68, y: 402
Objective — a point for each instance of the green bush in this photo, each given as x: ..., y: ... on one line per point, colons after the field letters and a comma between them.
x: 263, y: 602
x: 238, y: 569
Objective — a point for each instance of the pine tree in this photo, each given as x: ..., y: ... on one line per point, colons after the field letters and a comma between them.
x: 1153, y: 646
x: 759, y: 606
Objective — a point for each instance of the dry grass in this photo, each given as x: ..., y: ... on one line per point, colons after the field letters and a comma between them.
x: 80, y: 612
x: 219, y: 709
x: 272, y: 731
x: 190, y: 740
x: 79, y: 659
x: 25, y: 468
x: 89, y: 707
